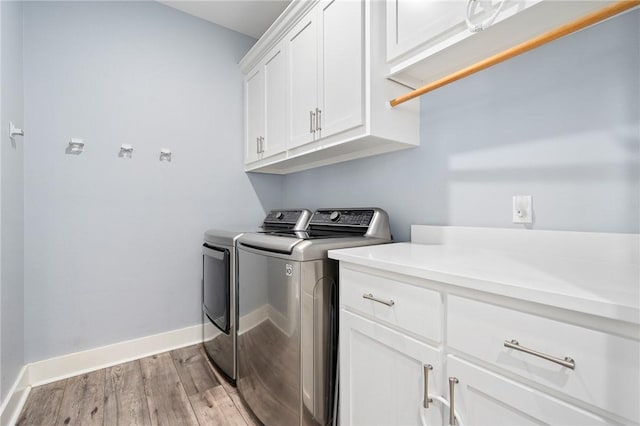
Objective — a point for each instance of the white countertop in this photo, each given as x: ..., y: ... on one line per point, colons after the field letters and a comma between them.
x: 607, y: 289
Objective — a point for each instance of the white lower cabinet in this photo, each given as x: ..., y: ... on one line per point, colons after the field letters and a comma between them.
x: 497, y: 360
x: 481, y: 397
x: 383, y: 376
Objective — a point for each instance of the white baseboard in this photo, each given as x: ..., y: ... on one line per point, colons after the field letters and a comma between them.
x: 16, y: 397
x: 62, y: 367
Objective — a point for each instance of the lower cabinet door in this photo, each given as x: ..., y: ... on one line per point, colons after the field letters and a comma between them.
x: 382, y: 376
x: 481, y: 397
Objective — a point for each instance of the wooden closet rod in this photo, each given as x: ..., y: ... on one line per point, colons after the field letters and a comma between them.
x: 571, y: 27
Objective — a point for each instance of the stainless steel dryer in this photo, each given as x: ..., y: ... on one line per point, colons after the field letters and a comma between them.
x: 287, y: 339
x: 219, y: 289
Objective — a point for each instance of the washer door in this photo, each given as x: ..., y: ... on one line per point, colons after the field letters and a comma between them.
x: 216, y: 282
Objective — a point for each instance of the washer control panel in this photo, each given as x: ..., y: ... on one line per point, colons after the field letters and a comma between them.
x: 350, y: 217
x: 293, y: 219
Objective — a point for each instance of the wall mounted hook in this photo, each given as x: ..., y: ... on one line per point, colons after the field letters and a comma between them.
x: 126, y: 151
x: 165, y: 154
x: 14, y: 131
x: 76, y: 146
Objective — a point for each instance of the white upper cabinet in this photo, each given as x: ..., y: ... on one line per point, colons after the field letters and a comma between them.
x: 275, y: 103
x: 326, y: 72
x: 302, y: 87
x: 265, y: 117
x: 429, y: 39
x: 412, y: 23
x: 341, y: 66
x: 335, y: 87
x: 254, y: 114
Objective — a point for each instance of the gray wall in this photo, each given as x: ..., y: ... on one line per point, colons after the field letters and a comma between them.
x: 11, y: 200
x: 560, y: 123
x: 113, y: 245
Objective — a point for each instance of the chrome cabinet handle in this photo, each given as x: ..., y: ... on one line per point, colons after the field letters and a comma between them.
x: 375, y: 299
x: 427, y: 400
x: 261, y: 143
x: 312, y: 116
x: 452, y: 402
x: 258, y: 145
x: 318, y: 119
x: 566, y: 362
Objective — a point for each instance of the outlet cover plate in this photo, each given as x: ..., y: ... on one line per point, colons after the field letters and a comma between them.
x: 522, y: 209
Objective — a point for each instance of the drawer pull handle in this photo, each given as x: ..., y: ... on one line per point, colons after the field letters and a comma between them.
x: 566, y: 362
x: 427, y: 400
x: 375, y: 299
x: 452, y: 400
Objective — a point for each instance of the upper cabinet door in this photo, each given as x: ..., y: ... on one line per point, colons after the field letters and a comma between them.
x: 275, y: 102
x: 411, y: 23
x: 302, y: 48
x: 342, y: 65
x: 254, y: 114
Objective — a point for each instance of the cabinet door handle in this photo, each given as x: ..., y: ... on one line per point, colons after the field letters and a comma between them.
x: 375, y: 299
x: 452, y: 402
x: 312, y: 117
x: 566, y: 362
x: 427, y: 400
x: 258, y: 145
x: 318, y: 119
x: 261, y: 143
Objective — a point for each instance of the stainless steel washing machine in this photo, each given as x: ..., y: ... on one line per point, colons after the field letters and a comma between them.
x: 287, y: 339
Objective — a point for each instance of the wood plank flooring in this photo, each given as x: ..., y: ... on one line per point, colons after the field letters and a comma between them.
x: 173, y: 388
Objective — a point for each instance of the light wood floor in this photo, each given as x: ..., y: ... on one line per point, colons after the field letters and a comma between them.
x: 173, y: 388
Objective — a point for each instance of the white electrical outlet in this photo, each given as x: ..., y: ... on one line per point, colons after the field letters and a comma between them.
x: 522, y: 209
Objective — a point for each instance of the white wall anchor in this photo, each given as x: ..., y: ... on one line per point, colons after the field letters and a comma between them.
x: 14, y: 131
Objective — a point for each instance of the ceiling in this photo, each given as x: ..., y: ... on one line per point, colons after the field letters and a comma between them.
x: 250, y: 17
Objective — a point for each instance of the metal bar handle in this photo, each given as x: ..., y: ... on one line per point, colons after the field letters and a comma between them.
x: 427, y: 400
x: 318, y: 119
x: 566, y: 362
x: 261, y: 143
x: 312, y: 116
x: 258, y: 145
x: 452, y: 402
x: 375, y: 299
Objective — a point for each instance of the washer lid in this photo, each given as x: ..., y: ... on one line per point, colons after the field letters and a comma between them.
x: 269, y: 242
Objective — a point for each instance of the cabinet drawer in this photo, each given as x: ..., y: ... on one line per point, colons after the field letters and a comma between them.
x: 415, y: 309
x: 606, y: 373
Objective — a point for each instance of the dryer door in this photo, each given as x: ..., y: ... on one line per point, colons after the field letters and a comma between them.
x: 216, y: 281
